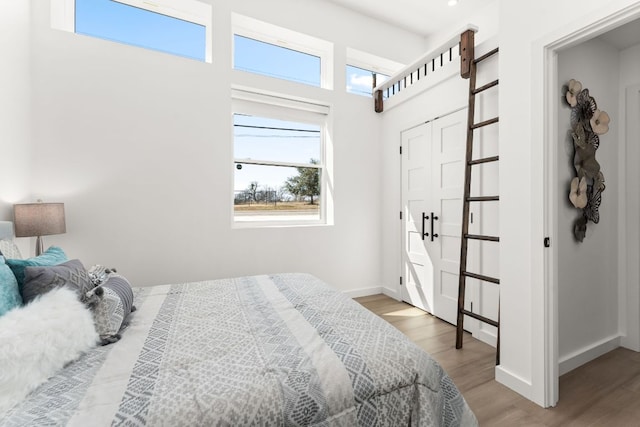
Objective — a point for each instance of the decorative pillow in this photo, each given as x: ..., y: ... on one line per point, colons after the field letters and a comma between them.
x: 9, y: 293
x: 52, y: 256
x: 40, y: 280
x: 99, y: 273
x: 38, y: 339
x: 8, y: 249
x: 114, y: 305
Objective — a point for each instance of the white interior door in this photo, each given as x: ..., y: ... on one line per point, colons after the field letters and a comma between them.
x: 433, y: 156
x: 447, y: 187
x: 417, y: 268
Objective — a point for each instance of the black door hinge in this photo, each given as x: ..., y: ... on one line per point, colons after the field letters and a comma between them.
x: 401, y: 150
x: 400, y: 280
x: 547, y: 242
x: 400, y: 214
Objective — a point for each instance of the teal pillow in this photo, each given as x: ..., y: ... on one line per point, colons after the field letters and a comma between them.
x: 9, y: 293
x: 52, y: 256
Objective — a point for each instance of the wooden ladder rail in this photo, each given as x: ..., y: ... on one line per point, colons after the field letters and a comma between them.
x: 468, y: 70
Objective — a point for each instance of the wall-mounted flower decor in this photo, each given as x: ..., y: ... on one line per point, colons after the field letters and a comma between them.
x: 587, y: 123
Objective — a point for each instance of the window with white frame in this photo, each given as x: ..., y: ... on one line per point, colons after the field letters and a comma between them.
x: 361, y: 81
x: 269, y: 50
x: 178, y: 27
x: 279, y: 160
x: 366, y: 71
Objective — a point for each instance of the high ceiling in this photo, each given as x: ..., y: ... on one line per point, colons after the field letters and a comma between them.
x: 425, y: 17
x: 428, y: 17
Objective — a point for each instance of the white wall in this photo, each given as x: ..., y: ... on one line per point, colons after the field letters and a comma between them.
x: 588, y: 271
x: 486, y: 20
x: 15, y: 101
x: 525, y: 28
x: 629, y: 128
x: 138, y: 145
x: 630, y: 66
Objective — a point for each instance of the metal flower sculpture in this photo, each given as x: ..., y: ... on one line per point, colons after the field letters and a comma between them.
x: 600, y: 122
x: 587, y: 123
x: 578, y: 193
x: 574, y: 89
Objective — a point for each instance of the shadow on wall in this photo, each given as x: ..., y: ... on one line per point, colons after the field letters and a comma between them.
x: 6, y: 211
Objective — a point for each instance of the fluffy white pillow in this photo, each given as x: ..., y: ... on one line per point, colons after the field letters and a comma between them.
x: 38, y: 339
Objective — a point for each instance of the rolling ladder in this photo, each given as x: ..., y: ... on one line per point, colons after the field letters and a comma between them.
x: 468, y: 66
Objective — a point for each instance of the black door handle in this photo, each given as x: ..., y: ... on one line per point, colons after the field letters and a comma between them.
x: 424, y: 218
x: 433, y: 218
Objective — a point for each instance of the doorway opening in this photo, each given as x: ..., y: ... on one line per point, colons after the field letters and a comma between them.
x: 594, y: 285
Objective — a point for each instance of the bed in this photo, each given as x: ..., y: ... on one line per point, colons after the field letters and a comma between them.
x: 283, y: 349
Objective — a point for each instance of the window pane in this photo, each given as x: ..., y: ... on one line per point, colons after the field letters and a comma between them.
x: 271, y: 193
x: 360, y: 81
x: 275, y: 61
x: 119, y: 22
x: 260, y: 138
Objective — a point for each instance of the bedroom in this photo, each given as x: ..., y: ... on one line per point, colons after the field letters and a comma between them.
x: 73, y: 137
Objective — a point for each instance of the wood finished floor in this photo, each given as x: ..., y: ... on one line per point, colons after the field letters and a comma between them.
x: 604, y: 392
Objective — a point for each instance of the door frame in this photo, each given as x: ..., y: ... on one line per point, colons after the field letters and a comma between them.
x: 545, y: 61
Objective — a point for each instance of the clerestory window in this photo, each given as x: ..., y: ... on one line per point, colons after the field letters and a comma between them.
x: 269, y: 50
x: 366, y: 71
x: 177, y: 27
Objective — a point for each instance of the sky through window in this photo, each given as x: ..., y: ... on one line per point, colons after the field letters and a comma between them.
x: 119, y: 22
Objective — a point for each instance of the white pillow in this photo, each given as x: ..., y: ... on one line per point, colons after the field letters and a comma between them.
x: 38, y: 339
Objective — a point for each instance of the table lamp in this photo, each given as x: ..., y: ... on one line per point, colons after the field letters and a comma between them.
x: 39, y: 219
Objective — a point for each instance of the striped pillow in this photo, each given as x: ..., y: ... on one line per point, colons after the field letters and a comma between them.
x: 113, y: 307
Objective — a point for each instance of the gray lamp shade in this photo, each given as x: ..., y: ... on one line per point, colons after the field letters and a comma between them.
x: 39, y: 219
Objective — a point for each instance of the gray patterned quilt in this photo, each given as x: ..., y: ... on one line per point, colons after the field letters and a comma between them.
x: 281, y: 350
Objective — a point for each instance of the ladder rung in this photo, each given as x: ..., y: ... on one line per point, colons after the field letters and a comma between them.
x: 481, y: 277
x: 486, y: 55
x: 480, y: 318
x: 485, y: 160
x: 485, y: 123
x: 479, y: 237
x: 485, y: 87
x: 483, y: 199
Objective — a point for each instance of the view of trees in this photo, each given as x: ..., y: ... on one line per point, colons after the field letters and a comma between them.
x: 305, y: 184
x: 303, y: 187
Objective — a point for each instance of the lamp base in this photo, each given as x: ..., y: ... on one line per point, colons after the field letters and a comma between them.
x: 39, y: 246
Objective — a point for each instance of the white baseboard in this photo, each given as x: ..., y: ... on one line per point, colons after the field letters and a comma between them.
x: 514, y: 382
x: 487, y: 337
x: 363, y: 292
x: 392, y: 293
x: 587, y: 354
